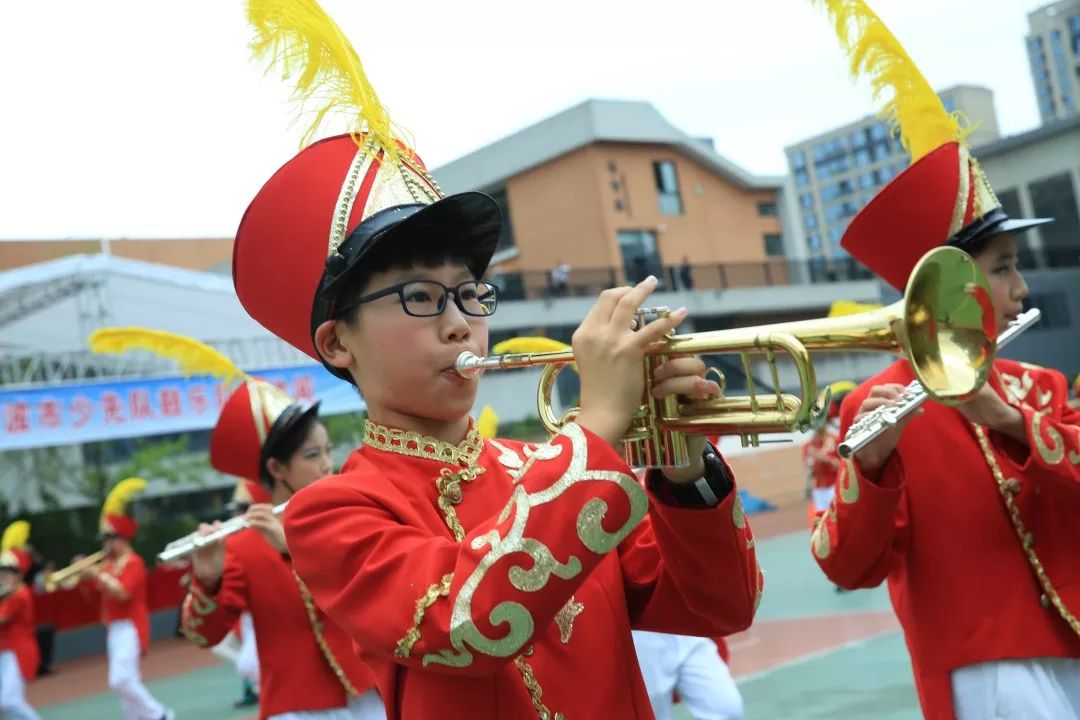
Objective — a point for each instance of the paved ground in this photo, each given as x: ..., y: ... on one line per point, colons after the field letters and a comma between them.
x: 813, y: 653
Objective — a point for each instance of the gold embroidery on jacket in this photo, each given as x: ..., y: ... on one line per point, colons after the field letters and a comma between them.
x: 564, y: 619
x: 1050, y: 455
x: 436, y: 591
x: 738, y: 515
x: 465, y: 636
x: 849, y: 490
x: 1016, y: 388
x: 821, y: 541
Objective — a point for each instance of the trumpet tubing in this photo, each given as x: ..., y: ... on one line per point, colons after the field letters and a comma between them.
x: 59, y: 577
x: 941, y: 325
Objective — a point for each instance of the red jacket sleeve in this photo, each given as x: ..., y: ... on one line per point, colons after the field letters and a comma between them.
x: 467, y: 607
x: 692, y: 571
x: 1052, y: 453
x: 206, y: 619
x: 857, y: 540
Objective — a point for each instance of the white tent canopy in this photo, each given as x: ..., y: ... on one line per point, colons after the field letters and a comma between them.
x: 48, y: 310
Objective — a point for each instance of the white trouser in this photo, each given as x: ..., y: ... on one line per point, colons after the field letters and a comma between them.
x: 135, y: 700
x: 366, y: 706
x: 13, y: 703
x: 228, y: 649
x: 247, y: 658
x: 822, y: 497
x: 1032, y: 689
x: 692, y: 666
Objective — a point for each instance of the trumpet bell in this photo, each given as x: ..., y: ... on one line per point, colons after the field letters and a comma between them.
x: 949, y: 325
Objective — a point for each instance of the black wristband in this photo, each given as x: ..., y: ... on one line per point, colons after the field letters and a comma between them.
x: 718, y: 483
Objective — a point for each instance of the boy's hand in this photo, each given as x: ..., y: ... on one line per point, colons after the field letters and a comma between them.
x: 609, y: 354
x: 685, y: 377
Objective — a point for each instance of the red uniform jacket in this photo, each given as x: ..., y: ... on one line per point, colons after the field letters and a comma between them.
x: 939, y: 524
x: 17, y: 631
x: 820, y: 454
x: 294, y: 672
x: 130, y: 570
x: 497, y: 580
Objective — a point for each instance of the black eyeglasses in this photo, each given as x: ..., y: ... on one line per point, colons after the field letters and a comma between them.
x: 426, y: 298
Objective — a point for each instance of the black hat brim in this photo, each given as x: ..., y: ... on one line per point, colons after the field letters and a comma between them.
x: 993, y: 223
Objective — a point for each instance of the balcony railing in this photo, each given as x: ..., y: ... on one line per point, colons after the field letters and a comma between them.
x: 590, y: 281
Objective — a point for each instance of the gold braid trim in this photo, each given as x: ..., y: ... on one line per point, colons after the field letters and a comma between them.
x: 535, y: 691
x: 436, y: 591
x: 448, y: 483
x: 316, y: 628
x: 1026, y: 541
x: 403, y: 442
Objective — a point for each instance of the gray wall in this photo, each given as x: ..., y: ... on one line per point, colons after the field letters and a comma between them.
x: 90, y: 640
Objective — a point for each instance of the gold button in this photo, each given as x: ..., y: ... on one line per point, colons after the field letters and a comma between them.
x: 1012, y: 486
x: 1044, y: 600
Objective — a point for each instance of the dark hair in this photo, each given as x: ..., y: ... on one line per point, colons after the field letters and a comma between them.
x: 422, y: 247
x: 285, y: 446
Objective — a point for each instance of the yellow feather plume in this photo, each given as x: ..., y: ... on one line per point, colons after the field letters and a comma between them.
x: 531, y: 344
x: 193, y: 357
x: 874, y: 52
x: 300, y: 38
x: 16, y: 535
x: 488, y: 422
x: 119, y: 496
x: 850, y: 307
x: 841, y: 386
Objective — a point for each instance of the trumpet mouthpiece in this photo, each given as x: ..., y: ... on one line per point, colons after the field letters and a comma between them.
x: 469, y: 365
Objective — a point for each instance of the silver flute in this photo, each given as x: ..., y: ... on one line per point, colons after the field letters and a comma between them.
x: 190, y: 543
x: 861, y: 433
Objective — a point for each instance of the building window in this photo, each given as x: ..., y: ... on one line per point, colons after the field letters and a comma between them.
x: 813, y: 241
x: 801, y: 178
x: 809, y: 220
x: 766, y: 208
x: 506, y: 235
x: 1055, y: 197
x: 774, y: 244
x: 1010, y: 202
x: 667, y: 187
x: 639, y: 254
x: 836, y: 232
x: 806, y: 200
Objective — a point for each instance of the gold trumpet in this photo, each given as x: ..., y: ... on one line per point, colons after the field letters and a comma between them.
x: 59, y: 577
x: 944, y: 325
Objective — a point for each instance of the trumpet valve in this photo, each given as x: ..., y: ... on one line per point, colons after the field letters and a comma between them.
x: 646, y: 314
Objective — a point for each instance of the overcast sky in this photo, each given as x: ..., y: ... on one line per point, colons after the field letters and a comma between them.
x: 140, y: 118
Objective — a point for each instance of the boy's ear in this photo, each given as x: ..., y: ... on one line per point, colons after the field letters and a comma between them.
x: 329, y: 345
